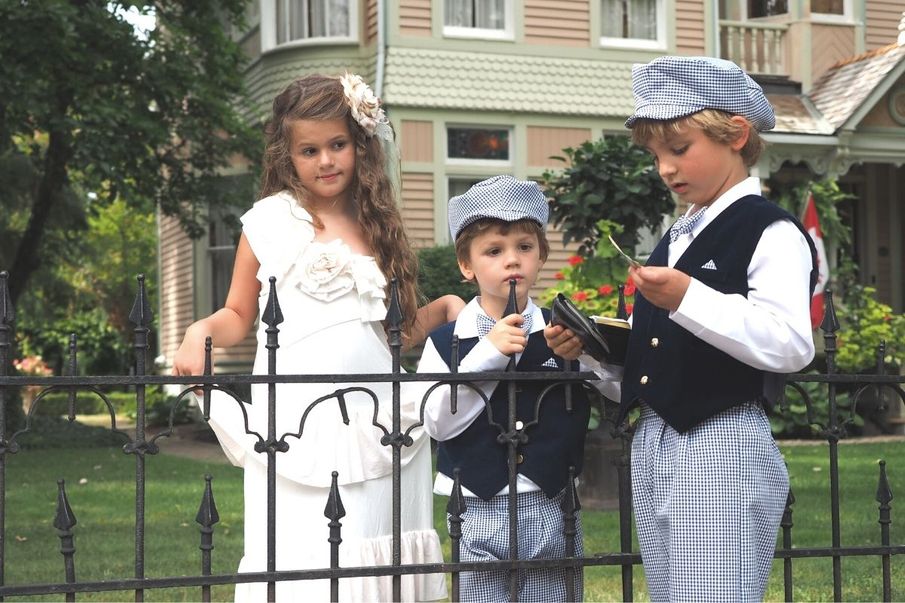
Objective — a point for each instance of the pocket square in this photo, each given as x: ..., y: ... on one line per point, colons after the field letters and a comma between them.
x: 709, y: 265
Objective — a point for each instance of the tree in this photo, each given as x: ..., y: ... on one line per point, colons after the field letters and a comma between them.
x: 89, y: 104
x: 607, y: 179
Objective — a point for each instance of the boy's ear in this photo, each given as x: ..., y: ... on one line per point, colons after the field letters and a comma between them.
x: 744, y: 132
x: 467, y: 272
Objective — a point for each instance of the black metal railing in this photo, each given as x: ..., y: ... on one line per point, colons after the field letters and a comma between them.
x: 273, y: 444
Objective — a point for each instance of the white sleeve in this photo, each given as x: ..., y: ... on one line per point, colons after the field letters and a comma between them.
x: 439, y: 421
x: 771, y: 328
x: 277, y: 233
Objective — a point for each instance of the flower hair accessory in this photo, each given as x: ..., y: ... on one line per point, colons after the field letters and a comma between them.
x: 365, y: 106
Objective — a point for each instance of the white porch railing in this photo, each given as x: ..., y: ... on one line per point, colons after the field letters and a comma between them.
x: 755, y: 47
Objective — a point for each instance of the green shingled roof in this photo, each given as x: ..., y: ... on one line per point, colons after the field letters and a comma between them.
x: 443, y: 79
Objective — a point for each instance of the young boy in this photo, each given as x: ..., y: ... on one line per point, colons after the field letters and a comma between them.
x: 720, y: 314
x: 498, y: 228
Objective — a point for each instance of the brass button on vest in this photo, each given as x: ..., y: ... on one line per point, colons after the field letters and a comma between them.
x: 519, y: 459
x: 654, y: 342
x: 644, y: 380
x: 519, y: 425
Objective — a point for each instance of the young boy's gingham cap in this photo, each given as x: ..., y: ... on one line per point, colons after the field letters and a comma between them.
x: 670, y: 87
x: 502, y: 198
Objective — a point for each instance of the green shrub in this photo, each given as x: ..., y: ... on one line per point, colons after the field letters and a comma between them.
x: 56, y: 403
x: 438, y: 274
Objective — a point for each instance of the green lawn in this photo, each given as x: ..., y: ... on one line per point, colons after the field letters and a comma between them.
x: 103, y: 504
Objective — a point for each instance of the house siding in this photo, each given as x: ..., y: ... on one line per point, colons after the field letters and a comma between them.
x: 557, y: 22
x: 177, y: 308
x: 830, y: 44
x: 415, y: 18
x: 881, y: 22
x: 690, y: 27
x: 370, y: 21
x: 418, y: 208
x: 544, y: 143
x: 416, y: 142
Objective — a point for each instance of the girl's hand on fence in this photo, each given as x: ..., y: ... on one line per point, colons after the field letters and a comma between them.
x: 189, y: 358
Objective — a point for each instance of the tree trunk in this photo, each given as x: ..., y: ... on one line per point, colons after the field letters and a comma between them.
x: 48, y: 193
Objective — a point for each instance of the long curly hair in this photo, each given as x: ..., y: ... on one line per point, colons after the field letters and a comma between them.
x: 321, y: 98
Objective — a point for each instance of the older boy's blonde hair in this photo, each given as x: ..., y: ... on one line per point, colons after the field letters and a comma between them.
x: 716, y: 125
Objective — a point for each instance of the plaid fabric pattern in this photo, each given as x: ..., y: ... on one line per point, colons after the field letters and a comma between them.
x: 485, y: 537
x: 707, y: 505
x: 670, y: 87
x: 485, y: 324
x: 685, y: 224
x: 501, y: 197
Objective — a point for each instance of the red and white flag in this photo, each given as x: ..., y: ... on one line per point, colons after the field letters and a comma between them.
x: 812, y: 226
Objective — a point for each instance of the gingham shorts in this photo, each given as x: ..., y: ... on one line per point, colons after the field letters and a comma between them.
x: 485, y: 537
x: 708, y: 503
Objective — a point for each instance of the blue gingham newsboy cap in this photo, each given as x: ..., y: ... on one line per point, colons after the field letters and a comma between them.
x: 670, y: 87
x: 502, y: 198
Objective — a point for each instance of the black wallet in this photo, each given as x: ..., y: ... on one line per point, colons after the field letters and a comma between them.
x: 606, y: 342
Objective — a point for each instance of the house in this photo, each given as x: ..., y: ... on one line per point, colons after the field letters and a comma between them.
x: 481, y: 87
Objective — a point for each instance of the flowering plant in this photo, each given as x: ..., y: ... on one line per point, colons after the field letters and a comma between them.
x: 33, y: 365
x: 592, y: 283
x: 364, y: 104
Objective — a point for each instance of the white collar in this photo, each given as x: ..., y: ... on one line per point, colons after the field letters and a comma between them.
x: 467, y: 322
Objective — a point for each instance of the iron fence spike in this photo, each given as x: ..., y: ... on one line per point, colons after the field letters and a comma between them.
x: 140, y: 315
x: 456, y: 505
x: 273, y: 315
x: 884, y: 492
x: 830, y: 323
x: 334, y: 511
x: 7, y: 314
x: 65, y: 519
x: 394, y: 311
x: 621, y: 310
x: 570, y: 502
x: 207, y: 513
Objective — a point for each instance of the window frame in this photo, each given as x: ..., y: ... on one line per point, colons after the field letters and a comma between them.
x: 477, y: 161
x: 846, y: 17
x: 457, y: 31
x: 270, y: 28
x: 659, y: 43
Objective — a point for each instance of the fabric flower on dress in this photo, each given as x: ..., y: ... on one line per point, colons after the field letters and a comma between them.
x: 364, y: 104
x: 326, y: 270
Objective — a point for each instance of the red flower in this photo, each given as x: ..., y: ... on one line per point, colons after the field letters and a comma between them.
x: 605, y: 289
x: 559, y: 276
x: 575, y: 260
x: 579, y: 296
x: 629, y: 287
x: 628, y: 308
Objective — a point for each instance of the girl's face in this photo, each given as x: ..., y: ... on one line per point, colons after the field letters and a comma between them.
x: 695, y: 167
x: 323, y: 155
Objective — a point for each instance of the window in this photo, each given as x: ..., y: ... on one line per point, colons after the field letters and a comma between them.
x: 222, y: 237
x: 478, y: 18
x: 308, y: 19
x: 836, y: 8
x: 767, y: 8
x: 477, y: 144
x: 633, y: 23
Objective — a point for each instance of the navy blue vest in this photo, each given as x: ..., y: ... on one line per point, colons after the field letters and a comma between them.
x: 554, y: 442
x: 682, y: 378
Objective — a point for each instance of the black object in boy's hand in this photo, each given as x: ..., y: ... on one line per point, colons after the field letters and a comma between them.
x: 604, y: 339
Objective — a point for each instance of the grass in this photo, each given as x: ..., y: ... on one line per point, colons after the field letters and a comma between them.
x: 101, y: 489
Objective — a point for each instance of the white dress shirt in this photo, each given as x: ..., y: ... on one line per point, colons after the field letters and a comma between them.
x: 770, y: 329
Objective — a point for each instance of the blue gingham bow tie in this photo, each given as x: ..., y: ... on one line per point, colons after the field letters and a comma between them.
x: 684, y: 225
x: 485, y: 323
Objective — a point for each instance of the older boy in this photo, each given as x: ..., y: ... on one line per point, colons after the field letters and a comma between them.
x: 498, y: 228
x: 721, y: 314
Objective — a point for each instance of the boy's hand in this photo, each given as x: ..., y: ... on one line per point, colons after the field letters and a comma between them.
x: 563, y: 342
x: 661, y: 286
x: 507, y: 335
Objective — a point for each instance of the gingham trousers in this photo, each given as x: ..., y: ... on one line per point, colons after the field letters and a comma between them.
x: 708, y: 503
x: 485, y: 537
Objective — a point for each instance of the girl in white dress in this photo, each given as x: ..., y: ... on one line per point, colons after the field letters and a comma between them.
x: 328, y: 229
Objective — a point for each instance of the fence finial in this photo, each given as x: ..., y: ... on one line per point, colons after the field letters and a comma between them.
x: 884, y: 492
x: 207, y: 513
x: 65, y: 519
x: 394, y: 311
x: 7, y: 314
x: 272, y: 314
x: 830, y: 323
x: 140, y: 315
x: 621, y: 310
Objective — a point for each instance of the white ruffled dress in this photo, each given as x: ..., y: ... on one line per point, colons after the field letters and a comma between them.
x: 332, y: 301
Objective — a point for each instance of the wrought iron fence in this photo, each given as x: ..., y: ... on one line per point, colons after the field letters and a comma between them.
x: 272, y: 444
